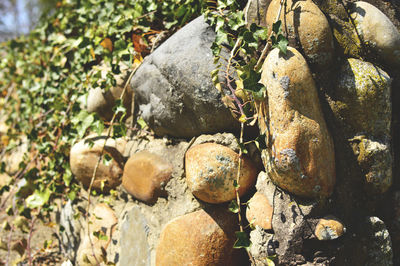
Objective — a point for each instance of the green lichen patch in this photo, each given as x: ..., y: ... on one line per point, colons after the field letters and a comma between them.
x: 363, y: 98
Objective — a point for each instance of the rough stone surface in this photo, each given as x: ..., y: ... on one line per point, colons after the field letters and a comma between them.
x: 300, y: 154
x: 259, y: 211
x: 304, y: 22
x: 145, y: 175
x: 173, y: 86
x: 83, y: 159
x: 103, y: 102
x: 361, y: 107
x: 262, y: 245
x: 256, y: 11
x: 179, y: 200
x: 198, y: 238
x: 376, y: 161
x: 289, y: 222
x: 134, y: 245
x: 329, y: 228
x: 103, y: 221
x: 70, y: 236
x: 211, y: 170
x: 376, y: 243
x: 362, y: 99
x: 377, y: 31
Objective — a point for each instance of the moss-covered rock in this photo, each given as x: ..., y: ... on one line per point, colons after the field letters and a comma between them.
x: 347, y: 41
x: 362, y: 100
x: 376, y: 162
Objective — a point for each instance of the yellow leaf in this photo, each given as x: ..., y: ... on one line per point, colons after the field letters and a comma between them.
x: 242, y: 119
x: 4, y: 140
x: 92, y: 53
x: 107, y: 44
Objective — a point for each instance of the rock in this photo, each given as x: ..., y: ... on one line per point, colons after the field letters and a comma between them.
x: 145, y: 175
x: 329, y: 228
x: 375, y: 159
x: 135, y: 249
x: 259, y: 211
x: 70, y: 237
x: 256, y: 11
x: 102, y: 223
x: 377, y: 31
x: 173, y: 86
x: 289, y: 222
x: 262, y: 245
x: 211, y: 170
x: 13, y: 158
x: 304, y: 22
x: 376, y: 243
x: 362, y: 99
x: 199, y: 238
x: 300, y: 155
x: 83, y: 159
x: 102, y: 102
x: 345, y: 36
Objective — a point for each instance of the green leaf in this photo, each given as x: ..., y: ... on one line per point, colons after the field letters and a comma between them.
x: 276, y: 27
x: 242, y: 240
x: 100, y: 235
x: 233, y: 206
x: 235, y: 184
x: 38, y: 198
x: 141, y: 122
x: 270, y: 261
x: 282, y: 43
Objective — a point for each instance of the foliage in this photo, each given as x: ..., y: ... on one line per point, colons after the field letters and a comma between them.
x: 236, y: 49
x: 46, y: 76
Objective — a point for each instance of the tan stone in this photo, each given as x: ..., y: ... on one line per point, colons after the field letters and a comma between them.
x: 329, y: 228
x: 259, y: 211
x: 145, y: 174
x: 102, y: 223
x: 199, y: 238
x: 83, y: 159
x: 211, y: 170
x: 377, y: 31
x: 300, y: 156
x: 304, y: 22
x: 14, y: 157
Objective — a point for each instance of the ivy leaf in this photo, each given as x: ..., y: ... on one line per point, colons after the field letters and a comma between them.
x: 233, y: 206
x: 141, y: 122
x: 242, y: 240
x: 276, y: 27
x: 270, y: 261
x: 282, y: 43
x: 38, y: 198
x: 86, y: 123
x: 100, y: 235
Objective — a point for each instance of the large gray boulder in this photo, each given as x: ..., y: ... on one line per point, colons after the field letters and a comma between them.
x: 173, y: 86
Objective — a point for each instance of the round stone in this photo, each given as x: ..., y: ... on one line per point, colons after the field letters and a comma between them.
x: 200, y: 238
x: 145, y: 174
x: 211, y: 170
x: 329, y: 228
x: 259, y: 211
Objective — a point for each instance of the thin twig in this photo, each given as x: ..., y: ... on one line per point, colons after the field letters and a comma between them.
x: 237, y: 187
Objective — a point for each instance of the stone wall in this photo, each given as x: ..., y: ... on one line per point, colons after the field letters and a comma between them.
x: 324, y: 191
